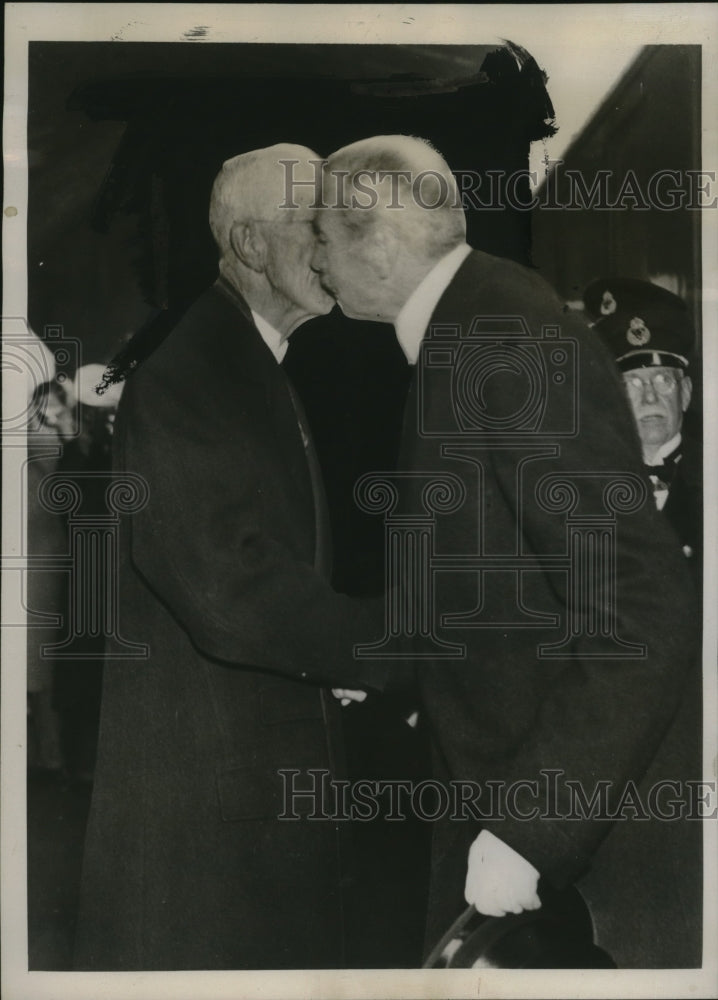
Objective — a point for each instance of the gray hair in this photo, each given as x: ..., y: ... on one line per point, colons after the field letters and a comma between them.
x: 229, y: 201
x: 253, y: 186
x: 413, y: 186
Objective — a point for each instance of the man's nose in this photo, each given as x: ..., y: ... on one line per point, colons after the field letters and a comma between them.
x: 649, y: 394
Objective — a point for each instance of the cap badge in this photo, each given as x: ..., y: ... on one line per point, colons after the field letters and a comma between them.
x: 638, y: 333
x: 608, y: 304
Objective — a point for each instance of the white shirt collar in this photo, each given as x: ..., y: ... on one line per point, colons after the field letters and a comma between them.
x: 413, y: 320
x: 271, y: 337
x: 664, y: 450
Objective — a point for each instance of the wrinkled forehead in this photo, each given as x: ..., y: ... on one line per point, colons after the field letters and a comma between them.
x: 269, y: 188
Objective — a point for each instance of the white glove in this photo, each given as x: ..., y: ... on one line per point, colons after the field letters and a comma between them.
x: 498, y: 879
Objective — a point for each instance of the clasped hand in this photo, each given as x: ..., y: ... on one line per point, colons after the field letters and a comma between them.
x: 347, y: 695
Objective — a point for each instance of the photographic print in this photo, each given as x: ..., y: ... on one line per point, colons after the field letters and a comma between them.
x: 359, y: 551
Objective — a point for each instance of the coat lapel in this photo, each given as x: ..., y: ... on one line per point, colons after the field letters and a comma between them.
x: 267, y: 388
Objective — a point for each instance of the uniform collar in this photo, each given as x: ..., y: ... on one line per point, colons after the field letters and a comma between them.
x: 414, y: 317
x: 666, y: 450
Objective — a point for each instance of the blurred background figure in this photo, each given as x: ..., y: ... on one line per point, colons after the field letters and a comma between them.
x: 649, y: 331
x: 96, y: 418
x: 78, y: 682
x: 50, y: 424
x: 69, y: 431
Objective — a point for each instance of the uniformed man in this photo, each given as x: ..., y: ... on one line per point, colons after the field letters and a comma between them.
x: 650, y: 333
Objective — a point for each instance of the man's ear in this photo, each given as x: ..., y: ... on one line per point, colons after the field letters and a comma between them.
x: 248, y: 245
x: 686, y: 392
x: 385, y: 250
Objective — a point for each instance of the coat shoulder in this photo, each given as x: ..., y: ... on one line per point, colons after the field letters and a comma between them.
x: 214, y: 354
x: 505, y: 280
x: 495, y: 287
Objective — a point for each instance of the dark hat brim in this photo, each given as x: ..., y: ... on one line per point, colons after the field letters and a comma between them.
x: 557, y: 936
x: 636, y: 318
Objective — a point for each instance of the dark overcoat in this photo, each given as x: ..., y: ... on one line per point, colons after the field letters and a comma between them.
x: 684, y: 504
x: 186, y: 864
x: 594, y: 709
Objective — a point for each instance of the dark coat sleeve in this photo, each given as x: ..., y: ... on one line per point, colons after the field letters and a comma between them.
x: 217, y: 543
x: 596, y: 719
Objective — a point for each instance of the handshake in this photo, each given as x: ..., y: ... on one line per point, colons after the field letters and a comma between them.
x: 347, y: 695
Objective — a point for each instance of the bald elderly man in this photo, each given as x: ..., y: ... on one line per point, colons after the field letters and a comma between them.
x: 223, y: 576
x: 495, y: 403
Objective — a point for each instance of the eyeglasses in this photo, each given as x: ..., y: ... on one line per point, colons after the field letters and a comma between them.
x: 662, y: 383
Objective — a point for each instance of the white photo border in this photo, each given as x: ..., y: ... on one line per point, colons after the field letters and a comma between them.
x: 591, y: 25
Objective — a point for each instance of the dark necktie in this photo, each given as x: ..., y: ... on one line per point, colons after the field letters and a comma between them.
x: 322, y: 524
x: 662, y: 475
x: 322, y: 529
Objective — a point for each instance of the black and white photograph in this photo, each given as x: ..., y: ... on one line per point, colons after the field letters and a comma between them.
x: 359, y: 552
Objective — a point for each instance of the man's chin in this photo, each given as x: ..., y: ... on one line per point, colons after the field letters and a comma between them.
x: 321, y: 304
x: 351, y: 313
x: 329, y: 304
x: 324, y: 298
x: 347, y: 310
x: 653, y: 430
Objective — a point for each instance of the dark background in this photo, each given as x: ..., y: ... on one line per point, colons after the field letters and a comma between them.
x: 649, y: 121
